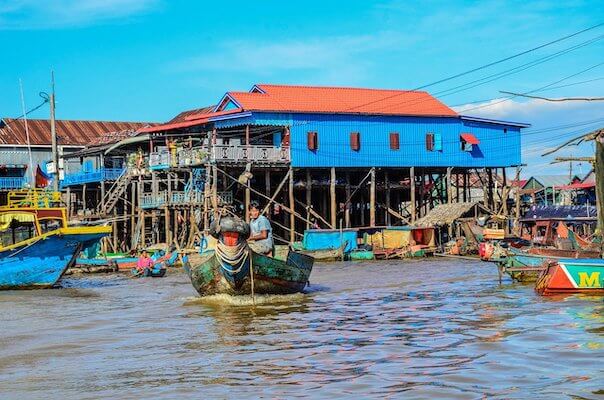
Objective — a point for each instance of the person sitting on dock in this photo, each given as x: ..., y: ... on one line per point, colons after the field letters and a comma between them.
x: 144, y: 262
x: 261, y: 232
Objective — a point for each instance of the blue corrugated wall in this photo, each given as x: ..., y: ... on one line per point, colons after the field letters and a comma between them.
x: 496, y: 149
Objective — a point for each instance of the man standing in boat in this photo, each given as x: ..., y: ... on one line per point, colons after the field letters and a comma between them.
x: 261, y: 232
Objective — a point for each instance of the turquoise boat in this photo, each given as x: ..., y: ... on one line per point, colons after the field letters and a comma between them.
x: 37, y: 245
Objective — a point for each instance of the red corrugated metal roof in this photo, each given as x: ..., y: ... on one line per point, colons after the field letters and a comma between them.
x: 191, y: 120
x: 183, y: 116
x: 74, y: 133
x: 469, y: 138
x: 341, y: 100
x: 573, y: 186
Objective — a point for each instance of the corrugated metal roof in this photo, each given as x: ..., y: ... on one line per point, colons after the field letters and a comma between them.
x: 69, y: 132
x: 551, y: 180
x: 343, y: 100
x: 560, y: 213
x: 185, y: 114
x: 190, y: 120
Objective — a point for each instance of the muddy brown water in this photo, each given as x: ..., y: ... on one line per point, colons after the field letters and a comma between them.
x: 413, y: 329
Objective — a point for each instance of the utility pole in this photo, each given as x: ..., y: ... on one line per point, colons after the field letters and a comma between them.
x: 53, y: 134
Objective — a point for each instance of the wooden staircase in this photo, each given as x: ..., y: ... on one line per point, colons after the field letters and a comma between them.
x: 115, y: 192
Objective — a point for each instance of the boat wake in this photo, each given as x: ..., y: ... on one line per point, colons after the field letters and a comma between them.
x: 245, y: 300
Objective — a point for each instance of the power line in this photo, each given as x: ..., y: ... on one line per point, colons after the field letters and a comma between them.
x: 487, y: 65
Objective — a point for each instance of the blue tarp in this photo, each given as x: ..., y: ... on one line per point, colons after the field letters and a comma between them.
x: 327, y: 240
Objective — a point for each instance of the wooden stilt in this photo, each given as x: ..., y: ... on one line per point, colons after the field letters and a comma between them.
x: 332, y: 197
x: 372, y: 199
x: 132, y: 210
x: 84, y: 203
x: 449, y: 191
x: 348, y: 203
x: 490, y: 192
x: 68, y: 201
x: 465, y: 184
x: 412, y: 193
x: 308, y: 197
x: 292, y: 205
x: 102, y: 195
x: 387, y: 184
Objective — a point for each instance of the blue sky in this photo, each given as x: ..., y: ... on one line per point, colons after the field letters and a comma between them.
x: 146, y: 60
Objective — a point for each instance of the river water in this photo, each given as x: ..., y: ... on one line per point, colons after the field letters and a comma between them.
x: 415, y: 329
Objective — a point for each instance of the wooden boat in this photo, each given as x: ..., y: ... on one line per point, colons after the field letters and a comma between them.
x: 526, y: 266
x: 233, y: 268
x: 572, y: 276
x: 149, y: 272
x: 210, y: 276
x: 127, y: 263
x: 44, y: 246
x: 325, y: 255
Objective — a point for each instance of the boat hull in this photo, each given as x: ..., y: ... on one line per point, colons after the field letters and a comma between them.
x: 271, y: 276
x: 40, y: 262
x: 572, y: 276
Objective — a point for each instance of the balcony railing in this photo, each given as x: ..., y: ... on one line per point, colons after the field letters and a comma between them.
x: 150, y: 200
x: 99, y: 175
x: 10, y: 182
x: 257, y: 154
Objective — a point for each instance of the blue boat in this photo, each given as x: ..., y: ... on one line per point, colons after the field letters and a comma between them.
x: 37, y: 245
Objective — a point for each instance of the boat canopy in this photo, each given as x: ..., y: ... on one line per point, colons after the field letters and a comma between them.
x: 7, y: 218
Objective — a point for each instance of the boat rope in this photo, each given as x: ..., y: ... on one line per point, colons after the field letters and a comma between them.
x: 232, y: 255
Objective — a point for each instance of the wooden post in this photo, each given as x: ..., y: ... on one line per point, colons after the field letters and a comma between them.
x: 102, y: 194
x: 348, y: 202
x: 449, y: 191
x: 412, y: 192
x: 457, y: 187
x: 69, y: 210
x: 387, y: 184
x: 308, y: 197
x: 292, y: 204
x: 420, y: 208
x: 465, y: 184
x: 332, y: 197
x: 599, y: 170
x: 491, y: 198
x: 372, y: 199
x: 84, y: 197
x: 247, y: 186
x: 132, y: 209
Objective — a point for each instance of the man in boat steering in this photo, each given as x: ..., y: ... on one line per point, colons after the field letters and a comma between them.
x: 261, y: 232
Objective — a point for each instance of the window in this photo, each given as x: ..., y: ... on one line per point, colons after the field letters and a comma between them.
x: 355, y: 141
x: 468, y: 141
x: 312, y: 141
x: 430, y: 141
x: 394, y: 141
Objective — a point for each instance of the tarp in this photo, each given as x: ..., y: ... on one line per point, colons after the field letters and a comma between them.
x: 389, y: 239
x: 316, y: 239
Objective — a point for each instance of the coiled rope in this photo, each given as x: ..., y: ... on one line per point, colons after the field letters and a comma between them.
x: 232, y: 255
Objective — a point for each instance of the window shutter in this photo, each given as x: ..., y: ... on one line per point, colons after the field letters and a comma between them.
x: 394, y: 141
x: 312, y: 141
x: 430, y: 141
x: 438, y: 142
x: 355, y: 141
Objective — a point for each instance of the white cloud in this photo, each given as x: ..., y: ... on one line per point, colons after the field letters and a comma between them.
x: 35, y: 14
x: 321, y: 60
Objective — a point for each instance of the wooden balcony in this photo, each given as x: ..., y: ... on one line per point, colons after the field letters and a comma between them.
x: 256, y: 154
x: 98, y: 175
x: 193, y: 198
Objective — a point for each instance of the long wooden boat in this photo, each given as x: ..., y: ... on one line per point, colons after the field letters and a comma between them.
x: 325, y: 255
x: 527, y: 266
x: 210, y: 276
x: 572, y: 276
x: 40, y: 259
